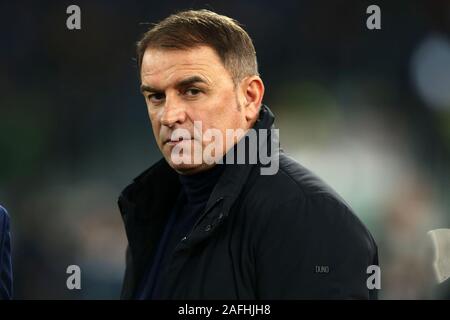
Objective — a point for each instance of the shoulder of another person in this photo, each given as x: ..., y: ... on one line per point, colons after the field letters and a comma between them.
x: 4, y: 223
x: 3, y: 214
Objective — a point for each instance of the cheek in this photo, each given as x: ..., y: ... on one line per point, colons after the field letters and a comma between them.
x: 226, y: 110
x: 156, y: 126
x: 219, y: 112
x: 229, y: 117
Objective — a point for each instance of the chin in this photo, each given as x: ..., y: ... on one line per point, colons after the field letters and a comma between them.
x: 188, y: 169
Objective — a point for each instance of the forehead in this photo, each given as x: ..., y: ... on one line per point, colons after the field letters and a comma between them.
x: 168, y: 64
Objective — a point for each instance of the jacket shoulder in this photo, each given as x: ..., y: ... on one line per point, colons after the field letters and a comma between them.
x: 295, y: 198
x: 292, y: 182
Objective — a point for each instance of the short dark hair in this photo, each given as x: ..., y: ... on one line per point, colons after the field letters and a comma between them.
x: 193, y: 28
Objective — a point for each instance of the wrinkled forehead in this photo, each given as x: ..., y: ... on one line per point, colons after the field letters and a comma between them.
x: 167, y: 64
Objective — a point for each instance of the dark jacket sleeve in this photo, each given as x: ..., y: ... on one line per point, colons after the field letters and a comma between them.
x: 5, y: 257
x: 128, y: 279
x: 314, y: 248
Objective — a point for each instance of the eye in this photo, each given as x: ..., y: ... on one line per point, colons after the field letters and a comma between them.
x: 192, y: 92
x: 156, y: 97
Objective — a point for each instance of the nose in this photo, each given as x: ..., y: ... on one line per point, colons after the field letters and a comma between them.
x: 174, y: 112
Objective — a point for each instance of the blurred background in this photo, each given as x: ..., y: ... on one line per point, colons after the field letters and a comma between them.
x: 368, y: 111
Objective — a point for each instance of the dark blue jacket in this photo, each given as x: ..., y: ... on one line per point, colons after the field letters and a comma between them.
x: 281, y: 236
x: 5, y: 256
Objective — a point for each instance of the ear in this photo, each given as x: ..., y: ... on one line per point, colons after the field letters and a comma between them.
x: 253, y: 92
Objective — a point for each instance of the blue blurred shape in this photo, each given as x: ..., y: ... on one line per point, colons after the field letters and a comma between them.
x: 5, y: 256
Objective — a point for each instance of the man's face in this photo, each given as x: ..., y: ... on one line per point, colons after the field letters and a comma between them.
x: 183, y: 86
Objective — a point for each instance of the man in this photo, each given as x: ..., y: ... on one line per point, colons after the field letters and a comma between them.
x: 5, y: 257
x: 219, y: 228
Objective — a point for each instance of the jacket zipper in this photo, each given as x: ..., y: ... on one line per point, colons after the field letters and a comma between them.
x: 200, y: 219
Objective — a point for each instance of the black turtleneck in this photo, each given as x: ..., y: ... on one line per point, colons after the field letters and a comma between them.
x: 191, y: 202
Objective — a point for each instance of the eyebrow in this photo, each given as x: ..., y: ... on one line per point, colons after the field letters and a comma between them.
x: 180, y: 84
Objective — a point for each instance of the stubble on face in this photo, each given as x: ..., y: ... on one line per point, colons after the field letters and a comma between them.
x: 216, y: 107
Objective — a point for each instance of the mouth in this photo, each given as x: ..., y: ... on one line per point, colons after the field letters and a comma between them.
x: 175, y: 141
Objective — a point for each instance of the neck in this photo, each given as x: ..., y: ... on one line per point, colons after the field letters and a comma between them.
x: 199, y: 186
